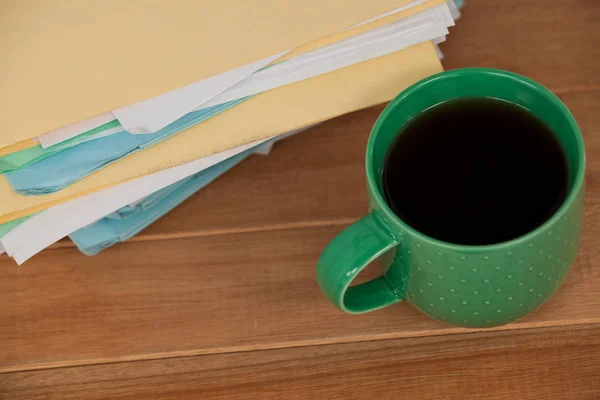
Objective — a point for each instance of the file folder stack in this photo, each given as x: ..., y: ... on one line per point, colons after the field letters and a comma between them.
x: 112, y: 113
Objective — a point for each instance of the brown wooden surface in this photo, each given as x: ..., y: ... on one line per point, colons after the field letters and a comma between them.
x: 561, y: 363
x: 218, y: 299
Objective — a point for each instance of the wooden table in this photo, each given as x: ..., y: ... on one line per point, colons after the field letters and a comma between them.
x: 219, y: 300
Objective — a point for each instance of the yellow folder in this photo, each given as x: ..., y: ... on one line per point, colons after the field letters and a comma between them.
x: 66, y: 60
x: 267, y: 114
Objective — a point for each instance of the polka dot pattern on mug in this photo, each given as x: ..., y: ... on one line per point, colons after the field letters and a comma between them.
x: 489, y: 288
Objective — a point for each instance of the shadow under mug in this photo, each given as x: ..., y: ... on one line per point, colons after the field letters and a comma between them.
x: 470, y: 286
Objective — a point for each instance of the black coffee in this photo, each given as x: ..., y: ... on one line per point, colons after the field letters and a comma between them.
x: 475, y: 171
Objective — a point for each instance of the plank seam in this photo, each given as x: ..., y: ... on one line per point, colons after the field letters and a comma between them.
x: 447, y: 331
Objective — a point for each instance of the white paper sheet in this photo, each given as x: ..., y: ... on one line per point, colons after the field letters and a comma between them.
x: 146, y: 114
x: 436, y: 43
x: 78, y: 213
x: 67, y: 132
x: 387, y: 14
x: 376, y: 43
x: 151, y: 115
x: 46, y: 228
x: 454, y: 11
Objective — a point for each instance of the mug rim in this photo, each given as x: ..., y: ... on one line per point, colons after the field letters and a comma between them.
x: 372, y: 176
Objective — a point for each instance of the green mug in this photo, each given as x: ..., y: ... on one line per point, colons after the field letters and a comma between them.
x: 470, y: 286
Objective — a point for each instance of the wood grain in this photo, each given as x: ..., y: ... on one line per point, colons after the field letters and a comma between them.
x: 541, y: 364
x: 215, y: 294
x: 552, y: 41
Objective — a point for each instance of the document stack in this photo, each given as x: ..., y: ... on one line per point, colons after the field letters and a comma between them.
x: 112, y: 113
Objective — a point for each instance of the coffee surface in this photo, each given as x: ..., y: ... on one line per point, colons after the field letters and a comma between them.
x: 475, y: 171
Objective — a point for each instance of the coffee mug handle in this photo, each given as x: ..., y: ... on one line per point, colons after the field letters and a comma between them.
x: 346, y: 256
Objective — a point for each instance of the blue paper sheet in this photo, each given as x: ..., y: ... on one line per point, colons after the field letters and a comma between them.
x: 128, y: 221
x: 67, y: 167
x: 148, y: 201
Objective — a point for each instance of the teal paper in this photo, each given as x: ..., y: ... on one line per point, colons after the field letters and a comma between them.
x: 119, y: 226
x: 66, y: 167
x: 21, y: 159
x: 31, y: 155
x: 8, y: 226
x: 148, y: 201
